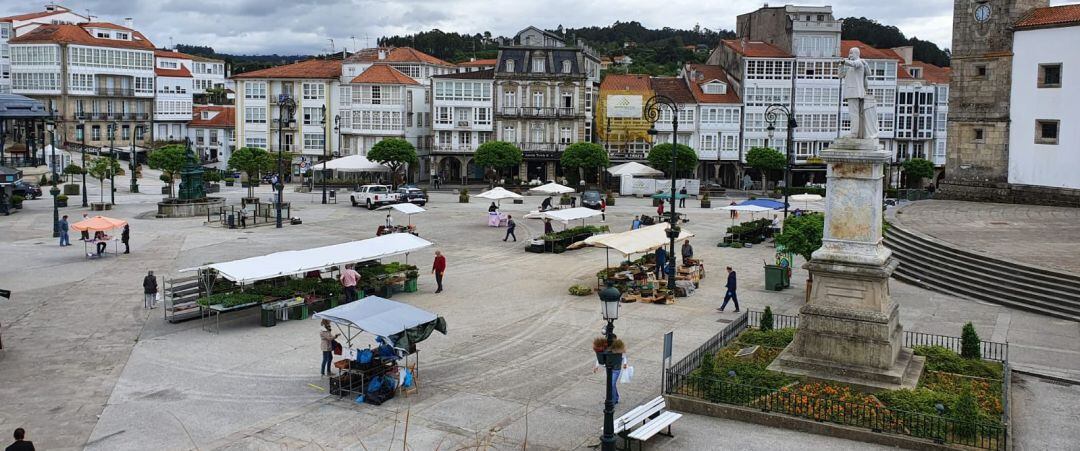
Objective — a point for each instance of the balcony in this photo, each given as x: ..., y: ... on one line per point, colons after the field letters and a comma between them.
x: 115, y: 92
x: 276, y: 124
x: 540, y: 112
x: 448, y: 148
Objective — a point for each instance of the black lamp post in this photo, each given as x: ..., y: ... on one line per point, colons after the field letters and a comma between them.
x: 82, y: 125
x: 50, y: 124
x: 652, y: 110
x: 326, y: 143
x: 112, y: 153
x: 771, y: 113
x: 609, y: 308
x: 286, y: 109
x: 134, y: 158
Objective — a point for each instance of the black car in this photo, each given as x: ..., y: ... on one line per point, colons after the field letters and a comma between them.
x: 591, y: 199
x: 412, y: 195
x: 26, y: 190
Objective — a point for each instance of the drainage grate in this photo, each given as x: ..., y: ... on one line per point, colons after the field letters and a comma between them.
x: 998, y: 223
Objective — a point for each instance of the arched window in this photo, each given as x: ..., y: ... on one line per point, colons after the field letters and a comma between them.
x: 509, y: 65
x: 566, y: 66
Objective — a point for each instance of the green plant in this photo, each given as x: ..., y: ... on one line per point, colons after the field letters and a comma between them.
x: 970, y: 344
x: 705, y: 197
x: 685, y: 158
x: 73, y: 169
x: 62, y: 198
x: 967, y: 414
x: 170, y: 161
x: 580, y: 290
x: 939, y: 358
x: 773, y: 338
x: 766, y: 322
x: 44, y: 180
x: 802, y: 234
x: 252, y: 161
x: 229, y: 180
x: 584, y: 158
x: 916, y: 170
x: 165, y: 178
x: 229, y: 299
x: 212, y: 176
x: 17, y: 199
x: 750, y: 231
x: 495, y: 155
x: 394, y: 153
x: 103, y: 168
x: 574, y: 231
x: 765, y: 159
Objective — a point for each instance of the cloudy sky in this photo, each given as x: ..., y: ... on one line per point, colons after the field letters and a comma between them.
x: 306, y: 26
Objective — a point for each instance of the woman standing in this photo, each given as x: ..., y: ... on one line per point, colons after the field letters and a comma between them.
x: 326, y: 343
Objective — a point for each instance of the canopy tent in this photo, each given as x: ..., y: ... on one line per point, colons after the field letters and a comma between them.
x: 403, y: 324
x: 565, y: 216
x: 773, y: 204
x: 407, y: 208
x: 288, y: 263
x: 749, y: 208
x: 634, y: 168
x: 355, y: 163
x: 637, y: 241
x: 807, y: 199
x: 98, y: 224
x: 499, y: 193
x: 552, y: 188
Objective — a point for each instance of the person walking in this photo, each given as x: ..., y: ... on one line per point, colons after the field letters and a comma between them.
x: 573, y: 201
x: 615, y: 372
x: 124, y: 237
x: 730, y: 295
x: 326, y: 344
x: 603, y: 210
x: 20, y: 443
x: 661, y: 261
x: 734, y: 213
x: 687, y: 251
x: 438, y: 268
x: 547, y: 227
x: 149, y: 285
x: 510, y: 226
x: 64, y: 226
x: 660, y: 211
x: 682, y: 197
x: 349, y: 279
x: 85, y: 233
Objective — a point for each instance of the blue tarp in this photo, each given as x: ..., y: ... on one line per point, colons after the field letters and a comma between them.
x: 767, y: 203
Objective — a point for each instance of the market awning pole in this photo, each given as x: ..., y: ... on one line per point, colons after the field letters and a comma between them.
x: 607, y: 256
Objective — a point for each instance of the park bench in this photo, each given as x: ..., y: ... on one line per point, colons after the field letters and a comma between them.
x: 649, y: 419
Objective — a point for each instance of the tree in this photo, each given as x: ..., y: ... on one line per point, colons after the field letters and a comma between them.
x: 103, y: 168
x: 765, y: 159
x: 394, y: 153
x: 585, y: 157
x: 802, y: 234
x: 73, y: 169
x: 252, y: 161
x: 169, y: 160
x: 495, y: 155
x: 970, y: 344
x: 685, y: 160
x: 918, y: 169
x: 766, y: 321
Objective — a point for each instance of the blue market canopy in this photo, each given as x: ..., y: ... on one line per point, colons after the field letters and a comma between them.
x: 668, y: 196
x: 769, y: 203
x: 403, y: 324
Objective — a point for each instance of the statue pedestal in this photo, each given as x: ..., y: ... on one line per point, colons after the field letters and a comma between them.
x: 849, y: 331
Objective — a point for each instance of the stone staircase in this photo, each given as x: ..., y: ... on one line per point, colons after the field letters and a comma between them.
x: 935, y: 265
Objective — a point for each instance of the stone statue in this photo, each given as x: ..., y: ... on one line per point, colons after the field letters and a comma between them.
x: 861, y: 108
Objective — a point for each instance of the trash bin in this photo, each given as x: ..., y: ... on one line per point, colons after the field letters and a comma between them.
x: 231, y: 220
x: 410, y: 285
x: 776, y: 278
x: 268, y: 316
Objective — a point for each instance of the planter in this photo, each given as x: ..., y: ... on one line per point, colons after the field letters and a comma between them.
x: 61, y: 203
x: 213, y: 188
x: 519, y: 201
x: 71, y: 189
x: 249, y: 200
x: 564, y: 201
x: 229, y: 183
x: 706, y: 204
x: 610, y: 201
x: 17, y: 206
x: 165, y: 190
x: 410, y: 285
x: 100, y: 206
x: 463, y: 199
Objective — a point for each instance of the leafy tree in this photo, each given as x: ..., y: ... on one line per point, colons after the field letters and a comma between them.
x: 169, y: 160
x: 685, y: 159
x: 394, y: 153
x: 886, y: 36
x: 73, y: 169
x: 766, y: 322
x: 918, y: 169
x: 585, y: 157
x: 765, y: 159
x: 104, y: 168
x: 253, y: 161
x: 970, y: 344
x: 495, y: 155
x: 802, y: 234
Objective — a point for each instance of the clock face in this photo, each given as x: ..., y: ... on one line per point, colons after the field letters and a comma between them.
x: 982, y: 13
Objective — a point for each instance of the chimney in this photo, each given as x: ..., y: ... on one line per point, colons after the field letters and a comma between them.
x: 382, y: 54
x: 129, y: 22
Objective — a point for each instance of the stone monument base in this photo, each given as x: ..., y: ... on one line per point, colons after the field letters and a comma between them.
x: 176, y: 208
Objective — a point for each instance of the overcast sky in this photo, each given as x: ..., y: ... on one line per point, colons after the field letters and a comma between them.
x: 306, y: 26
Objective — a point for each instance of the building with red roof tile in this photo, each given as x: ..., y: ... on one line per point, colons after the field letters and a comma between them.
x: 211, y: 129
x: 18, y: 24
x: 175, y: 91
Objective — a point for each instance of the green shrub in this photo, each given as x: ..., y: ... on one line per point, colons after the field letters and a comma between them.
x: 752, y: 231
x: 939, y: 358
x: 580, y: 290
x: 574, y: 231
x: 766, y: 322
x: 967, y: 415
x: 970, y: 344
x: 774, y: 338
x: 17, y: 199
x: 44, y: 180
x: 229, y: 299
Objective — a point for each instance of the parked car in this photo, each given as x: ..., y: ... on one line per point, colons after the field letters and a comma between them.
x: 591, y: 199
x: 372, y: 196
x: 26, y: 190
x: 413, y: 195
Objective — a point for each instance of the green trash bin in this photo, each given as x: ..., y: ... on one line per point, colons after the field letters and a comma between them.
x: 410, y: 285
x: 776, y: 278
x: 268, y: 316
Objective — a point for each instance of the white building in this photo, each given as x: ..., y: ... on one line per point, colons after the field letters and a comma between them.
x: 17, y: 25
x: 209, y: 73
x: 922, y: 109
x: 312, y: 85
x: 1044, y: 133
x: 718, y: 118
x: 212, y: 133
x: 462, y: 107
x: 173, y: 98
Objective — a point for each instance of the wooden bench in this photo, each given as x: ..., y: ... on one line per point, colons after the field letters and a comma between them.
x: 649, y: 419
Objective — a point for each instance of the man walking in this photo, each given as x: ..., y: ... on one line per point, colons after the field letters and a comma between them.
x: 510, y: 226
x: 603, y: 210
x: 124, y: 237
x: 349, y: 279
x: 682, y: 197
x: 687, y: 251
x: 661, y: 261
x: 438, y: 268
x: 730, y: 295
x: 64, y: 240
x: 149, y: 285
x: 20, y: 444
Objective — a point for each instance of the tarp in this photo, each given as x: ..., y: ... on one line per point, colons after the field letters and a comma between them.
x: 552, y: 188
x: 634, y: 168
x: 498, y: 193
x: 637, y: 241
x: 749, y: 208
x: 402, y: 323
x: 354, y: 163
x: 298, y: 262
x: 565, y: 216
x: 773, y: 204
x: 98, y: 224
x: 407, y: 208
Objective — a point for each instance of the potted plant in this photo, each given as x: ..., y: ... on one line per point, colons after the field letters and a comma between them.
x: 463, y: 196
x: 705, y: 201
x: 16, y: 201
x: 212, y: 178
x: 610, y: 198
x: 564, y: 200
x: 61, y: 200
x: 229, y: 181
x: 617, y: 348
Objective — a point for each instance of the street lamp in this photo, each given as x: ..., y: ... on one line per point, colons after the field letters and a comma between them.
x: 82, y: 126
x: 134, y: 157
x: 326, y: 143
x: 50, y: 125
x: 609, y: 308
x: 771, y: 115
x: 286, y: 109
x: 652, y: 110
x: 112, y: 152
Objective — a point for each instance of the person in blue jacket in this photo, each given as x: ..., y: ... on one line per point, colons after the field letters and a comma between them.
x: 661, y: 261
x: 730, y: 295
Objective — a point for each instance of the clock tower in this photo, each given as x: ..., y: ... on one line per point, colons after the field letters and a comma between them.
x: 977, y: 156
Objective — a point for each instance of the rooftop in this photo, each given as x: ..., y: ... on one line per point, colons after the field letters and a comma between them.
x: 931, y: 73
x: 486, y: 74
x: 674, y: 88
x: 480, y: 63
x: 625, y: 82
x: 172, y: 54
x: 304, y: 69
x: 31, y: 16
x: 77, y: 34
x: 1053, y: 16
x: 755, y: 49
x: 182, y: 72
x: 395, y: 55
x: 225, y: 117
x: 699, y: 75
x: 383, y: 74
x: 868, y: 52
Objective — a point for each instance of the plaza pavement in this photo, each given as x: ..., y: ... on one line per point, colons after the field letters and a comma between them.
x: 85, y: 365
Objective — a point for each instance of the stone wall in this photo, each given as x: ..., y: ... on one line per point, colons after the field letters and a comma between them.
x: 1008, y: 193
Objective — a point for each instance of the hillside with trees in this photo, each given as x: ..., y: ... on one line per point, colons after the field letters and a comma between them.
x: 247, y: 63
x: 886, y: 36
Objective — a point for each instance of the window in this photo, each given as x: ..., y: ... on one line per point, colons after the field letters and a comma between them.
x: 567, y: 100
x: 1046, y: 131
x: 314, y: 91
x: 443, y: 115
x: 466, y: 140
x: 35, y: 81
x: 538, y: 99
x: 768, y: 69
x: 255, y: 90
x: 756, y: 96
x: 314, y: 141
x: 715, y: 88
x: 482, y: 116
x: 538, y: 65
x: 168, y: 64
x: 125, y: 132
x: 566, y: 66
x: 564, y: 135
x: 445, y: 138
x: 255, y: 115
x: 509, y: 133
x: 980, y: 71
x: 313, y: 116
x: 95, y: 133
x: 979, y: 135
x: 378, y: 120
x: 1050, y: 75
x: 509, y: 65
x: 255, y: 141
x: 916, y: 72
x: 708, y: 142
x: 509, y: 98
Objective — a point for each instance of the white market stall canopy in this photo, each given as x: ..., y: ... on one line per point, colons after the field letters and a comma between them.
x: 565, y: 216
x: 354, y: 163
x: 635, y: 169
x: 289, y: 263
x: 645, y: 239
x: 378, y: 316
x: 498, y: 193
x: 749, y: 208
x: 552, y: 188
x: 409, y: 209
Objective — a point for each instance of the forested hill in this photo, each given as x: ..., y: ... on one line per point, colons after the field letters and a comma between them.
x: 247, y: 63
x: 888, y: 36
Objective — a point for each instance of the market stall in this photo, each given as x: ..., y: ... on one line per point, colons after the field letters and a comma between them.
x: 809, y: 202
x: 753, y: 231
x: 408, y: 210
x: 638, y: 279
x: 397, y: 328
x: 497, y: 194
x: 558, y: 242
x: 553, y: 189
x: 103, y: 225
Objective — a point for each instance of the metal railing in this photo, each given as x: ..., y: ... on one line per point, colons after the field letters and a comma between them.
x: 532, y: 111
x: 693, y: 360
x: 118, y: 92
x: 779, y: 321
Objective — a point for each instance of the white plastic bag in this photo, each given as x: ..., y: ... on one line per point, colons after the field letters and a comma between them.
x: 626, y: 375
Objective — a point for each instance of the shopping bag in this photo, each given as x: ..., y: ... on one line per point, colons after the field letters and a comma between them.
x: 626, y: 374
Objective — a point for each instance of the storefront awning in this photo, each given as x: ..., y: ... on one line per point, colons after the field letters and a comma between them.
x: 353, y: 163
x: 645, y: 239
x: 635, y: 169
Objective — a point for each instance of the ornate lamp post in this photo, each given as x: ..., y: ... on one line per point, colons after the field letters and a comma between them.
x: 653, y: 107
x: 609, y: 308
x: 771, y: 115
x: 82, y: 126
x: 134, y: 157
x: 50, y: 124
x: 326, y: 144
x: 286, y: 109
x: 112, y: 151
